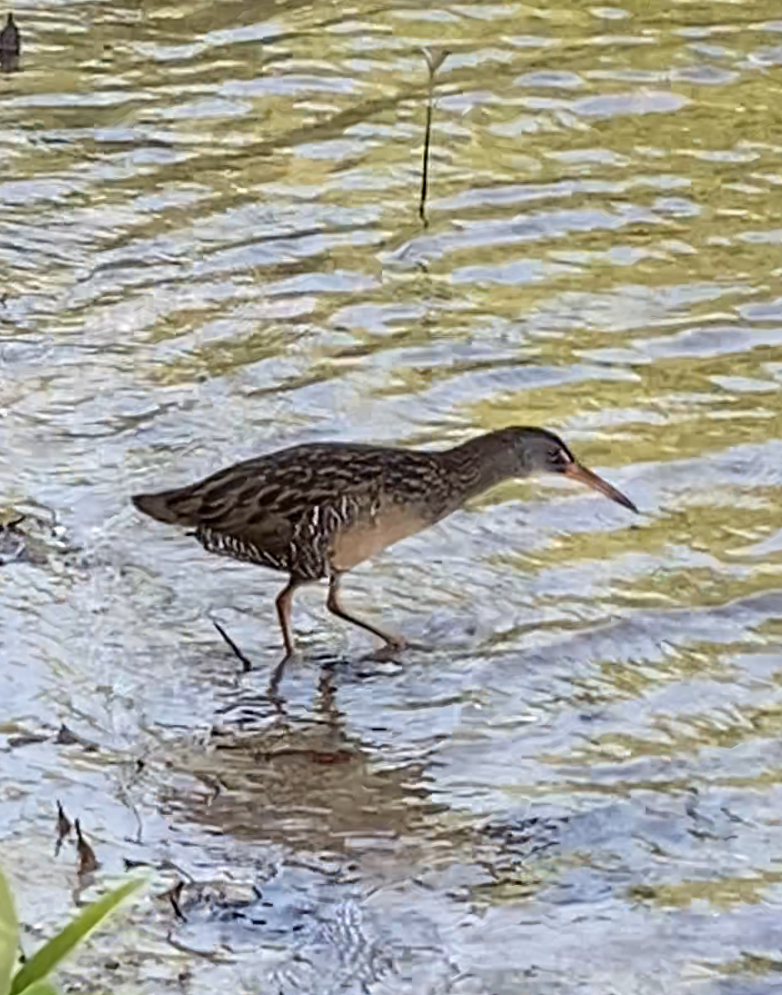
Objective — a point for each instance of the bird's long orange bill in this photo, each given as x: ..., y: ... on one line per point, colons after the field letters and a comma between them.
x: 584, y: 476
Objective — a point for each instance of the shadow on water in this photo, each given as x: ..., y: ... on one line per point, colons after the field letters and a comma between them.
x: 355, y: 831
x: 302, y: 782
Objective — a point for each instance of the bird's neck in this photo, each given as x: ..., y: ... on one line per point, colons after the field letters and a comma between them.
x: 479, y: 464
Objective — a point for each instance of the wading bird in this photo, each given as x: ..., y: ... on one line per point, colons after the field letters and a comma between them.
x: 316, y: 511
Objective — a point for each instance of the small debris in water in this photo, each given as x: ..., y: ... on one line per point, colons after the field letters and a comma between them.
x: 27, y: 739
x: 12, y: 541
x: 173, y: 895
x: 10, y: 45
x: 88, y: 862
x: 41, y: 542
x: 67, y: 737
x: 131, y: 865
x: 63, y: 828
x: 63, y: 737
x: 214, y: 958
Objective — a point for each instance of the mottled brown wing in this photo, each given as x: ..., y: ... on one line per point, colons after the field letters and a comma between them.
x: 280, y: 510
x: 310, y: 509
x: 236, y: 512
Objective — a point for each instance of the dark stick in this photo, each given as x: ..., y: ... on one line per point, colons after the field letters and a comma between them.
x: 433, y: 62
x: 246, y: 663
x: 425, y: 163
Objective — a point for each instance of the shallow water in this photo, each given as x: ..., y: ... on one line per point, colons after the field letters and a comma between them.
x: 209, y: 248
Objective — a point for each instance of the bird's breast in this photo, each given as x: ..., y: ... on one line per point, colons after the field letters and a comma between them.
x: 359, y: 541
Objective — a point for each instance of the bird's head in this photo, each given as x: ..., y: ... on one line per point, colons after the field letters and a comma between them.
x: 536, y: 450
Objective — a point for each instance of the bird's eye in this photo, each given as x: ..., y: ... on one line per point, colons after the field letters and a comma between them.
x: 559, y: 458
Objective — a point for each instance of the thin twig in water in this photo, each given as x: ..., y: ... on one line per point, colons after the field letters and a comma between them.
x: 214, y: 958
x: 174, y: 894
x: 425, y: 163
x: 63, y: 828
x: 246, y: 663
x: 434, y: 59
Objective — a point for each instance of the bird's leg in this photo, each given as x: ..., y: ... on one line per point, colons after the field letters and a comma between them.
x: 334, y: 605
x: 284, y: 602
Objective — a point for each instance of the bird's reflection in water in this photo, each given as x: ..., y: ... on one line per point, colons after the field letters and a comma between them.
x: 303, y: 781
x: 319, y: 834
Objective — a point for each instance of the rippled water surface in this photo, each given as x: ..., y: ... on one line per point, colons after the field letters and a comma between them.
x: 210, y: 248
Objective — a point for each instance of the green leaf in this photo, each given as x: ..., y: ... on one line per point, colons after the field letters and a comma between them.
x: 49, y: 956
x: 41, y: 988
x: 9, y: 936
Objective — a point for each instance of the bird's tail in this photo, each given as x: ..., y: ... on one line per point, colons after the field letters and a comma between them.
x: 173, y: 507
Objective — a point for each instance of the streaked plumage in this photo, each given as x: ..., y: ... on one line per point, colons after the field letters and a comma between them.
x: 315, y: 511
